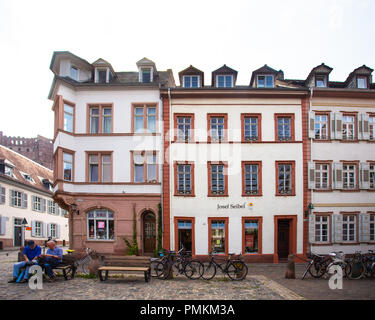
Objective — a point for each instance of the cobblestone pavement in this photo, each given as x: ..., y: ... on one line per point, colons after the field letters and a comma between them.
x: 133, y: 287
x: 264, y: 282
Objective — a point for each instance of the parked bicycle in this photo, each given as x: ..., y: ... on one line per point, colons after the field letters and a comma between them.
x: 362, y: 265
x: 83, y: 263
x: 163, y: 255
x: 179, y: 263
x: 236, y: 269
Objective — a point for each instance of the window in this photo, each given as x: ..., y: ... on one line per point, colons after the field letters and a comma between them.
x: 251, y: 178
x: 372, y: 175
x: 322, y: 228
x: 145, y: 167
x: 191, y: 81
x: 265, y: 81
x: 285, y: 178
x: 284, y: 127
x: 184, y: 124
x: 321, y: 126
x: 68, y: 117
x: 184, y: 176
x: 349, y: 176
x: 67, y: 166
x: 39, y: 204
x: 251, y: 124
x: 8, y: 170
x: 372, y: 127
x: 349, y: 228
x: 348, y: 127
x: 144, y: 118
x: 320, y: 81
x: 251, y: 236
x: 38, y: 229
x: 146, y: 75
x: 2, y: 195
x: 16, y: 198
x: 217, y: 179
x: 184, y: 231
x: 322, y: 176
x: 53, y: 230
x: 74, y: 73
x: 51, y: 207
x: 99, y: 167
x: 218, y: 236
x: 100, y: 225
x: 361, y: 82
x: 102, y: 76
x: 224, y: 81
x: 217, y: 124
x: 100, y: 119
x: 372, y: 227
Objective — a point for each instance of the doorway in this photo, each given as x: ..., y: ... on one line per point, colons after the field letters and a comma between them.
x: 17, y: 232
x: 149, y: 232
x: 283, y: 239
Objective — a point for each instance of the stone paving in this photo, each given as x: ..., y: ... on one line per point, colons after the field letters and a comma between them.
x: 264, y: 282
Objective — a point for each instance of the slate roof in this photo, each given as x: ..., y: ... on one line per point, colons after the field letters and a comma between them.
x: 26, y: 165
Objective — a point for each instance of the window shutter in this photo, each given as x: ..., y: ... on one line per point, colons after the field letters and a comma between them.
x: 312, y: 124
x: 337, y: 218
x: 338, y: 125
x: 312, y: 228
x: 33, y: 228
x: 48, y: 230
x: 3, y: 222
x: 364, y: 231
x: 57, y: 209
x: 366, y: 126
x: 360, y: 126
x: 2, y: 194
x: 333, y: 126
x: 57, y: 231
x: 337, y: 175
x: 43, y: 205
x: 44, y: 230
x: 24, y: 200
x: 11, y: 199
x: 311, y: 175
x: 364, y: 181
x: 33, y: 202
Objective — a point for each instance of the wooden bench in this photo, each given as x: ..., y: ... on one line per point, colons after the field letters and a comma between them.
x: 125, y: 263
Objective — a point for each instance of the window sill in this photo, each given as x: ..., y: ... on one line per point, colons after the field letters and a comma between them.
x: 92, y: 240
x: 285, y: 195
x: 184, y: 195
x: 350, y: 190
x: 246, y: 195
x: 217, y: 195
x: 321, y: 244
x: 354, y: 243
x: 322, y: 190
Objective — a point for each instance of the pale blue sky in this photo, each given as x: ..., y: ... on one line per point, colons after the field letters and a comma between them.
x: 292, y: 35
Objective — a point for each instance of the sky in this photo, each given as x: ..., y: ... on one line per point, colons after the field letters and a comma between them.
x: 292, y: 35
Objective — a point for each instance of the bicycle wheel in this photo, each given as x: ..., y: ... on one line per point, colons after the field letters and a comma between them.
x: 153, y: 265
x: 357, y: 270
x: 237, y: 270
x: 193, y: 269
x: 162, y: 270
x: 209, y: 270
x: 84, y: 265
x: 317, y: 269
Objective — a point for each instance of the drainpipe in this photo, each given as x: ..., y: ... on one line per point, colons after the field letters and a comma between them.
x: 170, y: 156
x: 311, y: 149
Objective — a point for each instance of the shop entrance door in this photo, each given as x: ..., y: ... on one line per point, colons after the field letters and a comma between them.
x: 283, y: 237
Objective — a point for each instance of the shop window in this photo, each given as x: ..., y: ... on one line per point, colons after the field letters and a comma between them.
x: 100, y: 224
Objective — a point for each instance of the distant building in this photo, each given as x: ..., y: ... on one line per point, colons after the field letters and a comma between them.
x: 38, y: 149
x: 26, y: 193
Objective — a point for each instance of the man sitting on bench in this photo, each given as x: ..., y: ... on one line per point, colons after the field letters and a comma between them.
x: 51, y: 259
x: 31, y: 253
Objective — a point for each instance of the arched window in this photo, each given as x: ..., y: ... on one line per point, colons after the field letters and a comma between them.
x: 100, y: 225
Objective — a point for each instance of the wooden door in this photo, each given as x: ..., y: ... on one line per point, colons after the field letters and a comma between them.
x: 149, y: 232
x: 17, y: 236
x: 283, y: 229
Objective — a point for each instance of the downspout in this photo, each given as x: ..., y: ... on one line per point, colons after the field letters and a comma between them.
x: 169, y: 166
x: 311, y: 150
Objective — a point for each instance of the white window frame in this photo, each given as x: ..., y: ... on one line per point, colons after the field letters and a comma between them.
x: 219, y: 175
x: 346, y: 176
x: 51, y: 207
x: 190, y: 77
x: 141, y: 69
x: 17, y: 199
x: 37, y: 204
x: 324, y: 81
x: 320, y: 125
x: 53, y: 230
x: 348, y: 126
x: 319, y: 230
x: 225, y: 80
x: 70, y: 72
x: 95, y: 218
x: 372, y: 175
x: 186, y: 186
x: 362, y: 78
x: 319, y: 176
x: 346, y: 221
x: 38, y: 226
x: 265, y: 80
x: 371, y: 124
x: 372, y: 227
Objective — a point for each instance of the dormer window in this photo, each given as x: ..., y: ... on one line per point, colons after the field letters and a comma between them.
x: 27, y: 177
x: 265, y: 81
x: 74, y: 73
x: 224, y: 81
x: 320, y: 81
x: 9, y: 171
x: 191, y: 81
x: 361, y: 82
x: 102, y: 76
x: 146, y: 75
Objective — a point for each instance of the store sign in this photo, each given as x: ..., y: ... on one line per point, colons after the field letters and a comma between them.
x: 101, y: 225
x: 229, y: 206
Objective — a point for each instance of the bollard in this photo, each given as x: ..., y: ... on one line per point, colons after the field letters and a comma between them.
x: 290, y: 268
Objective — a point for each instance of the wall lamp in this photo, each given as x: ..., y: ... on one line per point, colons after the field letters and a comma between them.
x: 309, y: 208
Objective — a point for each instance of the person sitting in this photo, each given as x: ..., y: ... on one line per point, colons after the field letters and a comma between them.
x: 30, y: 253
x: 51, y: 259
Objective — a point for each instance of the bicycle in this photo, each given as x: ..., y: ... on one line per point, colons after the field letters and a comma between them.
x: 235, y: 269
x: 179, y: 263
x: 83, y: 264
x: 362, y: 265
x: 155, y: 261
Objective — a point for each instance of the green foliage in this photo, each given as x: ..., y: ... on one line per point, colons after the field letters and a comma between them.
x: 133, y: 246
